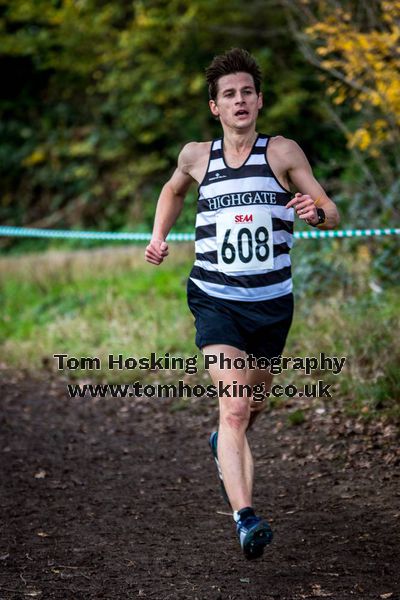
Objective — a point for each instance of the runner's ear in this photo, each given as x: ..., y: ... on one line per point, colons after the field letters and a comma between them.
x: 214, y: 108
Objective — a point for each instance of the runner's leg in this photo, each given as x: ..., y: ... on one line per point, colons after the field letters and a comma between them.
x: 234, y: 453
x: 254, y: 377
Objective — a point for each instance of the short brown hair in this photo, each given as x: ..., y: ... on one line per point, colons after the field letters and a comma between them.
x: 235, y: 60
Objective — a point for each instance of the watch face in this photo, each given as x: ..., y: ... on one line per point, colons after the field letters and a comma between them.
x: 321, y: 216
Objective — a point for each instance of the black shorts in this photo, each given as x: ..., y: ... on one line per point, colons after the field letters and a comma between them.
x: 259, y: 328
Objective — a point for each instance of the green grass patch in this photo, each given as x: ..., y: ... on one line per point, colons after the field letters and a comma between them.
x: 296, y: 417
x: 109, y: 301
x: 92, y: 308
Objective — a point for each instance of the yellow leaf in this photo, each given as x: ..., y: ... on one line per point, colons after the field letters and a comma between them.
x: 36, y: 157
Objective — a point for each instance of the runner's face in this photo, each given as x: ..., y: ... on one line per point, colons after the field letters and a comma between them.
x: 237, y: 102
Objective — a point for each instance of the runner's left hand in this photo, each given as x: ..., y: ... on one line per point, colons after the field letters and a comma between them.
x: 305, y: 208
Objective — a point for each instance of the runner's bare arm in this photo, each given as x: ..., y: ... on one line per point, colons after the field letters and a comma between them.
x: 169, y: 206
x: 311, y: 194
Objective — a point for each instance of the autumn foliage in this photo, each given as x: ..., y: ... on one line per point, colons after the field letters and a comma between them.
x: 364, y: 62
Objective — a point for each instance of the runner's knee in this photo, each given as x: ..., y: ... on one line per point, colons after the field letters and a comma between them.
x: 235, y: 413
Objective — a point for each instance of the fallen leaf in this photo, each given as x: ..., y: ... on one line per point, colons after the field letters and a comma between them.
x: 40, y: 474
x: 318, y: 591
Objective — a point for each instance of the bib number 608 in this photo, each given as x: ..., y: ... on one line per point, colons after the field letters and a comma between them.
x: 246, y: 246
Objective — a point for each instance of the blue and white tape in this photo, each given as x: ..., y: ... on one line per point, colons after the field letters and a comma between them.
x: 177, y: 237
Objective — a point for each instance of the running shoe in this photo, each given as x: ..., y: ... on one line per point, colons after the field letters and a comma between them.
x: 213, y: 440
x: 254, y: 534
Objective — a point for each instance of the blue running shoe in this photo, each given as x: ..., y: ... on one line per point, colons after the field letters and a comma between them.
x: 254, y: 534
x: 213, y: 445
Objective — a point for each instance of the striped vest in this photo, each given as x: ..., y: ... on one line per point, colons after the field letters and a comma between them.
x: 243, y: 230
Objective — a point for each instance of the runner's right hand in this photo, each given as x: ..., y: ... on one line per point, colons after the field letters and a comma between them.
x: 156, y: 251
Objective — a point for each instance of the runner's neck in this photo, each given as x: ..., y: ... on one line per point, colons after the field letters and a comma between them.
x: 238, y: 144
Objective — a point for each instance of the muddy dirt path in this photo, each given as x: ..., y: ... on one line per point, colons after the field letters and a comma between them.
x: 118, y: 499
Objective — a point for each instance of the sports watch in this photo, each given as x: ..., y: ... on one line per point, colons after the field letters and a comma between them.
x: 321, y: 218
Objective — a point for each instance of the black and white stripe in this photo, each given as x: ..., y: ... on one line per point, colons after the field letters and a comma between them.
x: 252, y: 184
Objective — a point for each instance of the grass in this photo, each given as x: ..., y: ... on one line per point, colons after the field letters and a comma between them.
x: 105, y: 301
x: 296, y: 417
x: 93, y: 304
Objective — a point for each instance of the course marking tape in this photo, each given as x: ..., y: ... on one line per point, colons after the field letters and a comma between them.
x: 177, y: 237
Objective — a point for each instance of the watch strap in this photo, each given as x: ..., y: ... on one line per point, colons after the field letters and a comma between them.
x: 321, y: 218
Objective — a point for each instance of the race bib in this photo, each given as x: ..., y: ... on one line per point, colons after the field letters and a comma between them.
x: 244, y: 239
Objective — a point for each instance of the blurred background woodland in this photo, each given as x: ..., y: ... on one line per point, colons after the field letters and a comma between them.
x: 98, y: 97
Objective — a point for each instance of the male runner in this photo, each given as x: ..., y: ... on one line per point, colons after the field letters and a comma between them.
x: 240, y: 287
